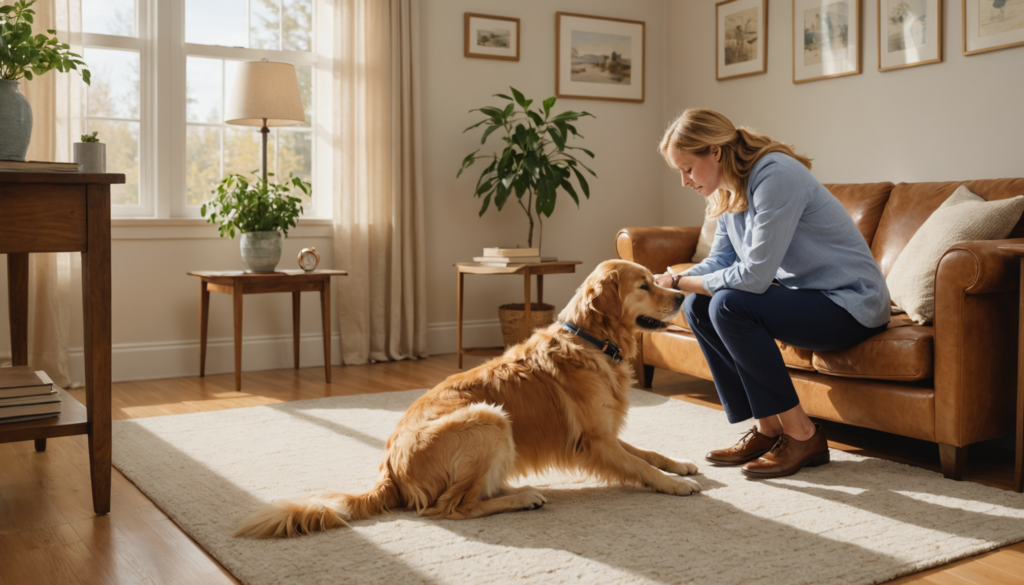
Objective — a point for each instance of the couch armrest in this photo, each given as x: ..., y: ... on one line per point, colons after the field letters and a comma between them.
x: 976, y: 312
x: 657, y: 247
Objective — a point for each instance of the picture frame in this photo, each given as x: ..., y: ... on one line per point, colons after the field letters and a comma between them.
x: 909, y: 33
x: 741, y: 38
x: 990, y: 25
x: 826, y: 39
x: 491, y: 37
x: 599, y: 58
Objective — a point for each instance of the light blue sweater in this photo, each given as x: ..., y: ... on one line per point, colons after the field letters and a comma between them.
x: 797, y: 232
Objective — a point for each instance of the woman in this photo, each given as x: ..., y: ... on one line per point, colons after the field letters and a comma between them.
x: 777, y: 225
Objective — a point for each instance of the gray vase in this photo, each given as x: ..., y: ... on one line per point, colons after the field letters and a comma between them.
x: 15, y: 121
x: 261, y: 251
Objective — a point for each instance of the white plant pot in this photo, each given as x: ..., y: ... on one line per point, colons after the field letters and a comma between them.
x: 92, y: 156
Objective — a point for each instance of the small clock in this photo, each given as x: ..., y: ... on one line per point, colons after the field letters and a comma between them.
x: 309, y: 259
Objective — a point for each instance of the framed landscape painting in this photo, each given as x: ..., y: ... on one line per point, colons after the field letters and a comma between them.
x: 492, y: 37
x: 741, y: 40
x: 599, y: 58
x: 826, y: 39
x: 989, y: 25
x: 909, y: 33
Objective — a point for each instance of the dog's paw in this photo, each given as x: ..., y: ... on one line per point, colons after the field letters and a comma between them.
x: 531, y: 499
x: 682, y: 486
x: 681, y: 467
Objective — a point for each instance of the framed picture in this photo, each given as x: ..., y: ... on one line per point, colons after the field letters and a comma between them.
x: 741, y: 40
x: 492, y: 37
x: 909, y: 33
x: 826, y: 39
x: 992, y: 24
x: 599, y: 58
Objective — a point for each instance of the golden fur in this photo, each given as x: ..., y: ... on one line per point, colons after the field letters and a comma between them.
x: 554, y: 401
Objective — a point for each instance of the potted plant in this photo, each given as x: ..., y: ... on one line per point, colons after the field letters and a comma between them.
x: 535, y: 162
x: 261, y: 211
x: 24, y: 55
x: 91, y: 154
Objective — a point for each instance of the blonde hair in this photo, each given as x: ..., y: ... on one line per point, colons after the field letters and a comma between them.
x: 696, y: 130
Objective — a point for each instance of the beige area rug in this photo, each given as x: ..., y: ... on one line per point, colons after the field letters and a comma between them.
x: 856, y: 520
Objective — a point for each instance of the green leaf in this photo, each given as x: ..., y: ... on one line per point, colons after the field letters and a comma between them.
x: 488, y: 133
x: 520, y: 98
x: 503, y: 96
x: 501, y: 195
x: 487, y: 201
x: 475, y: 125
x: 535, y: 117
x: 557, y: 138
x: 583, y: 149
x: 583, y: 182
x: 547, y: 105
x: 572, y: 192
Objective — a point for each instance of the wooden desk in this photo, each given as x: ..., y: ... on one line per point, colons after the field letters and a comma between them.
x: 64, y: 212
x: 238, y: 283
x: 1018, y: 469
x: 527, y: 270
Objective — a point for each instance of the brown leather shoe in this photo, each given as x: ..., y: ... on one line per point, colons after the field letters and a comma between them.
x: 751, y: 446
x: 789, y: 456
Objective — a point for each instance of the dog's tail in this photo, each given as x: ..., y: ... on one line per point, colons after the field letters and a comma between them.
x: 322, y: 512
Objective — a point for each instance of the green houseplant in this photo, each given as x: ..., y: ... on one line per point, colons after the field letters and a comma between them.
x: 24, y: 55
x: 536, y: 161
x: 261, y: 211
x: 90, y: 153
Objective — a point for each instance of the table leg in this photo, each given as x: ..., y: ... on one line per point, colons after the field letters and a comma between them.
x: 540, y: 289
x: 295, y: 325
x: 96, y: 293
x: 204, y: 324
x: 1018, y: 468
x: 458, y: 321
x: 236, y: 294
x: 325, y: 314
x: 526, y: 313
x: 17, y: 303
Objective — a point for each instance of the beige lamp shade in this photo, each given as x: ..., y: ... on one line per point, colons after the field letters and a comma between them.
x: 265, y: 90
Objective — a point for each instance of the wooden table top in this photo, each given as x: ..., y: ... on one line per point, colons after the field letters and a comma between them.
x: 268, y: 275
x: 65, y: 178
x: 558, y: 266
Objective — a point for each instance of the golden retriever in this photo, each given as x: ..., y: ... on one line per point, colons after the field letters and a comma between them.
x: 555, y: 401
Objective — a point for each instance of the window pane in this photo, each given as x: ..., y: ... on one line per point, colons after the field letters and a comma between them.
x: 114, y: 92
x: 204, y: 90
x: 122, y: 140
x: 109, y: 17
x: 265, y: 24
x: 297, y: 28
x: 242, y: 150
x: 295, y: 156
x: 216, y: 22
x: 202, y: 162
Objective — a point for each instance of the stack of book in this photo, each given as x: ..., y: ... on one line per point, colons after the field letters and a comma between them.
x: 512, y: 256
x: 27, y: 395
x: 39, y: 166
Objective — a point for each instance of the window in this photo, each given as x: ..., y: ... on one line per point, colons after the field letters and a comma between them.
x: 158, y: 103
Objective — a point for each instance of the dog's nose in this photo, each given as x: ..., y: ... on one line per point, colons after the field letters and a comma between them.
x: 680, y: 298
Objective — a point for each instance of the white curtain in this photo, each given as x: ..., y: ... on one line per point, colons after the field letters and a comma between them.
x: 378, y: 200
x: 56, y: 100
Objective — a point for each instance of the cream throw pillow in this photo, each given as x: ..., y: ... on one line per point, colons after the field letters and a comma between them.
x: 707, y: 237
x: 964, y: 217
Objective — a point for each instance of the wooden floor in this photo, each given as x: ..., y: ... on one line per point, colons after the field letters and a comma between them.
x: 48, y: 533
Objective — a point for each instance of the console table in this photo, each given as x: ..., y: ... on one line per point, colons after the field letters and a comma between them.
x: 538, y: 269
x: 64, y: 212
x: 237, y: 283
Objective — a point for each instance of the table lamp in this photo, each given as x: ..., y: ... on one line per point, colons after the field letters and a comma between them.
x: 265, y: 94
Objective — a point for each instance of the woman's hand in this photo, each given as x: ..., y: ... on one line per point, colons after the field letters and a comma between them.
x: 664, y: 280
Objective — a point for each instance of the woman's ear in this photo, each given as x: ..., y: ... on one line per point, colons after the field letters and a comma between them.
x: 717, y: 151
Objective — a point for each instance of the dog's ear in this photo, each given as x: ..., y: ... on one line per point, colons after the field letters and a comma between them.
x: 604, y: 295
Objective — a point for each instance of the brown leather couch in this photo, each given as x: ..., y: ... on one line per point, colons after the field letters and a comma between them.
x: 952, y: 382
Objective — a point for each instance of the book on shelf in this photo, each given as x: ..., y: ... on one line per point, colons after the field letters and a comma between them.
x: 50, y: 408
x: 510, y: 252
x: 510, y: 261
x: 39, y: 166
x: 23, y: 381
x: 15, y: 419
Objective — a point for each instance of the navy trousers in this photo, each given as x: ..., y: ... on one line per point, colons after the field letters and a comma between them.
x: 737, y: 332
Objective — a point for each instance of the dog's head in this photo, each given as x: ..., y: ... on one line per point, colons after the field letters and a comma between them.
x: 622, y: 295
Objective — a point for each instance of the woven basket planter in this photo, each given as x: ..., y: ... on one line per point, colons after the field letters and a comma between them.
x: 511, y: 316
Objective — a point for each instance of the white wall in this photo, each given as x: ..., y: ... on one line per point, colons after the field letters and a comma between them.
x: 956, y: 120
x: 624, y: 136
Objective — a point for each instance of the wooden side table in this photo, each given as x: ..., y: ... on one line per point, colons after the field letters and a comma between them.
x: 1018, y: 468
x: 238, y: 283
x: 527, y: 270
x: 64, y: 212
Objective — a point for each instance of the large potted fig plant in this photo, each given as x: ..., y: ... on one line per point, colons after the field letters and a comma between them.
x: 534, y: 164
x: 23, y: 56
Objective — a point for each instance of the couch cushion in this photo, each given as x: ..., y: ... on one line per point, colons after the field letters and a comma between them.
x: 904, y: 351
x: 910, y: 204
x: 864, y: 202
